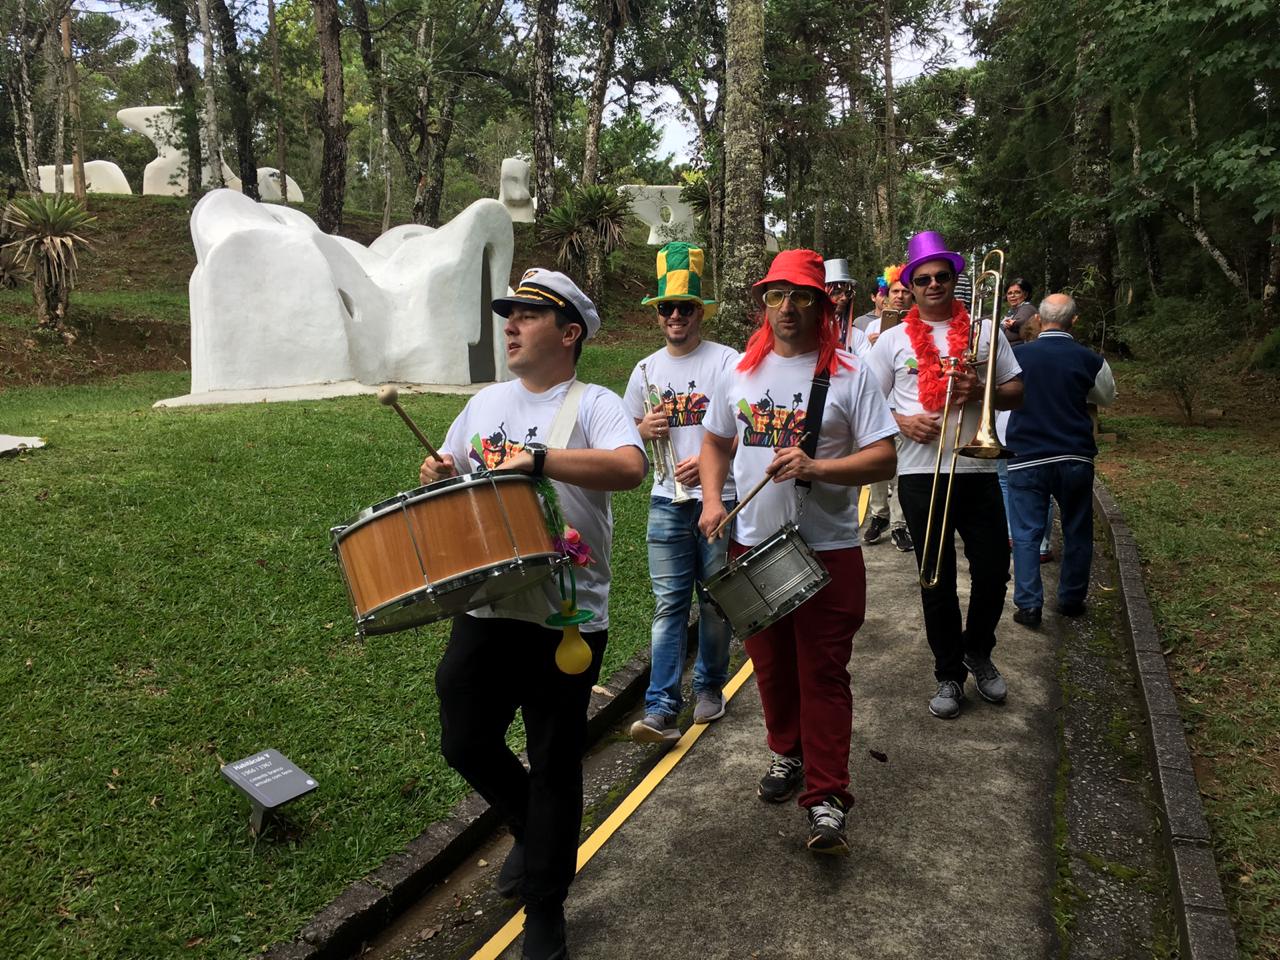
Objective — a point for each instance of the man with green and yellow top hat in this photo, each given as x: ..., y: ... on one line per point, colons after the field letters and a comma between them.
x: 668, y: 395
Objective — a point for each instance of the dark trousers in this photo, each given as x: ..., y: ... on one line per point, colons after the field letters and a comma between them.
x: 977, y: 514
x: 1070, y: 482
x: 802, y: 675
x: 490, y: 668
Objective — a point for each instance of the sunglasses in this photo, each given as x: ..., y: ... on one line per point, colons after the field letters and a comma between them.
x: 801, y: 298
x: 924, y: 279
x: 667, y: 308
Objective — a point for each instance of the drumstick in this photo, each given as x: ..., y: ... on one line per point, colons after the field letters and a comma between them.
x: 715, y: 534
x: 389, y: 396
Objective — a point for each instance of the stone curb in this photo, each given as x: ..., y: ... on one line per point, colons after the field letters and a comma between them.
x: 369, y: 904
x: 1204, y: 927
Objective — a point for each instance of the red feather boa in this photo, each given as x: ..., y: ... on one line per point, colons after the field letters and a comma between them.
x: 932, y: 380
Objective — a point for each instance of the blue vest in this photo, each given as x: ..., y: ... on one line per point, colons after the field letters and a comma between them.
x: 1052, y: 423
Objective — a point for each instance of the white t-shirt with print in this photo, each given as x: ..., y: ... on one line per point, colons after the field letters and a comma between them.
x: 685, y: 385
x: 892, y: 365
x: 494, y: 426
x: 765, y: 409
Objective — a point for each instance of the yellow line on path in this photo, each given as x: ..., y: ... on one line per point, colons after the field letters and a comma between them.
x: 504, y: 937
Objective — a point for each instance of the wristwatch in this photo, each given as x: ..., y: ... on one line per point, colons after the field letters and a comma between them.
x: 539, y: 451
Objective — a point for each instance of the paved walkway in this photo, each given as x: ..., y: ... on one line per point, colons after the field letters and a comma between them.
x: 951, y: 836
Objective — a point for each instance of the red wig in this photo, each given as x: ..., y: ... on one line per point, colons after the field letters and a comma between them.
x: 802, y: 268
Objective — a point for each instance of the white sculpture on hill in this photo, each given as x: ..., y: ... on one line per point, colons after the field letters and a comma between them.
x: 277, y: 304
x: 166, y: 175
x: 513, y: 190
x: 669, y: 218
x: 100, y: 176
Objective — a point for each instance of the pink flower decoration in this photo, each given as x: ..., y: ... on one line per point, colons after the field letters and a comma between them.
x: 570, y: 543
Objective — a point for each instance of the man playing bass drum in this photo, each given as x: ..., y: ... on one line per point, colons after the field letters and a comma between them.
x: 802, y: 660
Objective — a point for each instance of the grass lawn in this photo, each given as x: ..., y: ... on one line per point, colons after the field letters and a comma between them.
x: 1203, y: 504
x: 171, y: 603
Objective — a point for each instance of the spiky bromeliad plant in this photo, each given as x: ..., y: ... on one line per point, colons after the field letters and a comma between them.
x: 46, y: 235
x: 585, y: 229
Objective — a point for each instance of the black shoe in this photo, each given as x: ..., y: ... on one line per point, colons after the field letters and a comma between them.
x: 1075, y: 608
x: 1027, y: 616
x: 512, y: 873
x: 902, y: 539
x: 782, y: 779
x: 826, y: 828
x: 875, y: 529
x: 544, y: 935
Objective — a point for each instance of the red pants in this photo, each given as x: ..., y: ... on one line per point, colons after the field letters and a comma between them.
x: 802, y: 673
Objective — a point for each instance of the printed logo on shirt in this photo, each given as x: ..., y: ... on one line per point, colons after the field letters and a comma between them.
x: 683, y: 409
x: 497, y: 448
x: 913, y: 368
x: 770, y: 424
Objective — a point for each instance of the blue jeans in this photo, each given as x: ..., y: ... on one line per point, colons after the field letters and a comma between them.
x: 1046, y: 544
x: 679, y: 556
x: 1070, y: 482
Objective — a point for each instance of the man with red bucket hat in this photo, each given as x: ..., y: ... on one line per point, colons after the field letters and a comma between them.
x: 805, y: 414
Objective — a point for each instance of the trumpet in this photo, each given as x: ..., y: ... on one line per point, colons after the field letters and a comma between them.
x: 661, y: 452
x: 985, y: 444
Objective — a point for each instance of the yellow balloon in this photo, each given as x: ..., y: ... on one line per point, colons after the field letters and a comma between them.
x: 572, y: 653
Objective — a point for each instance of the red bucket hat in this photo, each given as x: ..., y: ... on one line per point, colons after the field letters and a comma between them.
x: 804, y: 268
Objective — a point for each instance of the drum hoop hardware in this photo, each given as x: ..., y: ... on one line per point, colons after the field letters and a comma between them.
x: 334, y: 534
x: 506, y: 519
x: 426, y: 580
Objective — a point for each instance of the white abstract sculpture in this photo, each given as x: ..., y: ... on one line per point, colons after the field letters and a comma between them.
x: 513, y: 190
x: 669, y: 218
x: 166, y: 175
x: 277, y: 304
x: 100, y: 176
x: 770, y: 241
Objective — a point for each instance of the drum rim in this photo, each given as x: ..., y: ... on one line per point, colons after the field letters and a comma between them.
x: 417, y: 494
x: 785, y: 532
x: 476, y: 574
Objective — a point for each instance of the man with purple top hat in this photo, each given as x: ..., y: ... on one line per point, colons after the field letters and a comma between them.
x: 909, y: 364
x: 501, y: 658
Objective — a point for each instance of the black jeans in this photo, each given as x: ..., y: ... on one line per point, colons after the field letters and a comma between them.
x: 977, y: 514
x: 490, y: 668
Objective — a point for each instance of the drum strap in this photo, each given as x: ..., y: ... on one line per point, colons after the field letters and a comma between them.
x: 813, y: 418
x: 567, y: 416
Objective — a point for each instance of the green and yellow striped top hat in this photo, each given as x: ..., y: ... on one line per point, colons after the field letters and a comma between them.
x: 680, y: 276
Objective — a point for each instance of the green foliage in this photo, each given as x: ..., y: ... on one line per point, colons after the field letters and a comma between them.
x: 1266, y: 356
x: 46, y: 233
x: 592, y: 215
x: 1179, y: 343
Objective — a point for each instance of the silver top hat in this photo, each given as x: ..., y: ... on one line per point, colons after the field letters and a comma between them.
x: 837, y: 271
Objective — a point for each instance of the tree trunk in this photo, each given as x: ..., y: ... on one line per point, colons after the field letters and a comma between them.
x: 73, y: 101
x: 890, y: 137
x: 24, y: 107
x: 333, y: 166
x: 544, y: 150
x: 59, y: 125
x: 175, y: 11
x: 599, y: 87
x: 238, y: 86
x: 386, y: 152
x: 437, y: 147
x: 212, y: 135
x: 1271, y: 286
x: 278, y: 89
x: 1090, y: 234
x: 744, y: 164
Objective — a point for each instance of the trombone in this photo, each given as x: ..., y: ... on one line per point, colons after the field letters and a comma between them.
x: 661, y: 452
x: 985, y: 444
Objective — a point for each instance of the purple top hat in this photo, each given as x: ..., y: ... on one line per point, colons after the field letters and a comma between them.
x: 927, y: 246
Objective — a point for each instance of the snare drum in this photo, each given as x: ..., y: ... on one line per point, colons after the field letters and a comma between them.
x: 443, y: 549
x: 769, y: 581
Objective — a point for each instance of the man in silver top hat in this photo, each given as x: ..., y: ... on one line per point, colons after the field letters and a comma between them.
x: 840, y: 288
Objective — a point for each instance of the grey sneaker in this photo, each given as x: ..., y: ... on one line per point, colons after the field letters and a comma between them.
x: 782, y: 779
x: 655, y: 728
x: 902, y: 539
x: 710, y: 706
x: 946, y: 702
x: 987, y: 678
x: 826, y: 828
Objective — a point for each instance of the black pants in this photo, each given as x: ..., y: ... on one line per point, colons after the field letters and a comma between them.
x: 490, y: 668
x: 977, y: 514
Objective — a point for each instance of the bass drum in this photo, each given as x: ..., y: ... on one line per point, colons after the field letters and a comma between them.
x: 769, y: 581
x: 444, y: 549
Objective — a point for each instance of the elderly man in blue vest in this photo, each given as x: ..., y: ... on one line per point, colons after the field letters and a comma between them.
x: 1051, y: 436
